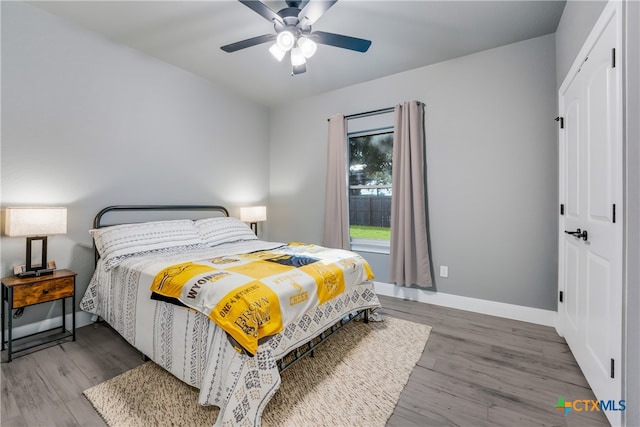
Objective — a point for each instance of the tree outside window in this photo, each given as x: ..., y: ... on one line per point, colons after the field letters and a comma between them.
x: 370, y: 165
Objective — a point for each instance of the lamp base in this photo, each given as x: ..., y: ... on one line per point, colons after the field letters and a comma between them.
x: 21, y: 270
x: 35, y: 273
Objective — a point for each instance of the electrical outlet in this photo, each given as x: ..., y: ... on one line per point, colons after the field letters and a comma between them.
x: 444, y: 271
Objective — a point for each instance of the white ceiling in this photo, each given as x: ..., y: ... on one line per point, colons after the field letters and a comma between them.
x: 404, y: 35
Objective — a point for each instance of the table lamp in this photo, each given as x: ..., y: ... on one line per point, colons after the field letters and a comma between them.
x: 253, y: 215
x: 36, y: 224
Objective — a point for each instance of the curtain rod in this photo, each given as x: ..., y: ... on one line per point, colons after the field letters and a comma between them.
x: 372, y: 112
x: 369, y: 113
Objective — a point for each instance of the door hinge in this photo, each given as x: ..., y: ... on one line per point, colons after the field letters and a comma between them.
x: 613, y: 368
x: 561, y: 296
x: 614, y: 213
x: 562, y: 209
x: 561, y: 120
x: 613, y: 58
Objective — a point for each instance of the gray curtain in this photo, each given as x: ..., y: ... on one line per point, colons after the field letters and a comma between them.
x: 410, y: 264
x: 336, y: 206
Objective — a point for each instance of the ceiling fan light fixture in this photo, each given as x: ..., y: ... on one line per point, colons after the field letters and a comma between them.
x: 297, y: 57
x: 307, y: 46
x: 286, y: 40
x: 292, y: 32
x: 277, y: 52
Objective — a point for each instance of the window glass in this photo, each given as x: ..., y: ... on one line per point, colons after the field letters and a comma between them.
x: 370, y: 165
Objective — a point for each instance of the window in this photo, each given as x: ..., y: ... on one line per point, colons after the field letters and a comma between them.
x: 370, y: 164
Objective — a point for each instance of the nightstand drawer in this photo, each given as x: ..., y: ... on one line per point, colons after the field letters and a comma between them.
x: 48, y: 290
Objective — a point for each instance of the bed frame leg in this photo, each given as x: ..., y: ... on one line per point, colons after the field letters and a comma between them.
x: 366, y: 315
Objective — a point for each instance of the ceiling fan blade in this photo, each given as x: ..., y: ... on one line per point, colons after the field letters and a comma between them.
x: 249, y: 42
x: 298, y: 69
x: 313, y: 10
x: 263, y: 10
x: 338, y: 40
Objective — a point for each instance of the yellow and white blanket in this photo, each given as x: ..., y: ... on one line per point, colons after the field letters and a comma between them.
x: 255, y: 295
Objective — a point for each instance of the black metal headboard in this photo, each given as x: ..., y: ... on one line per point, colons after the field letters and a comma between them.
x: 97, y: 221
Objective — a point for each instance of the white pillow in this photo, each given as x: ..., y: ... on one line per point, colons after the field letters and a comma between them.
x: 216, y: 231
x: 119, y: 242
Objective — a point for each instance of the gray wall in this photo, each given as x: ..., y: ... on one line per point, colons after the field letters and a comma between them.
x: 492, y: 168
x: 632, y: 119
x: 87, y: 123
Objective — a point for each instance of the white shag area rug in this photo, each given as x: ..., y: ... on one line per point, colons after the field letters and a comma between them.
x: 355, y: 379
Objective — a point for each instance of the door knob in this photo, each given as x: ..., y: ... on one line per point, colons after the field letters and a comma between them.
x: 578, y: 234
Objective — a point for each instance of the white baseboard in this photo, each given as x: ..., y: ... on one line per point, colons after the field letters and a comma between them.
x: 82, y: 319
x: 492, y: 308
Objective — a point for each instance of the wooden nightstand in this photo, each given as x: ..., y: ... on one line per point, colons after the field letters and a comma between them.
x: 23, y: 292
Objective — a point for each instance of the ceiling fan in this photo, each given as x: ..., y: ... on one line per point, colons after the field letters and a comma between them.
x: 293, y: 32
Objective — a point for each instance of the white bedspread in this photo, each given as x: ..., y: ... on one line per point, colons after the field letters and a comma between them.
x: 191, y: 347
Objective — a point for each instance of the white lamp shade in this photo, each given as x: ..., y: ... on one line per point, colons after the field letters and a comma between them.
x: 307, y: 46
x: 253, y: 214
x: 286, y: 40
x: 35, y: 221
x: 297, y: 57
x: 277, y: 52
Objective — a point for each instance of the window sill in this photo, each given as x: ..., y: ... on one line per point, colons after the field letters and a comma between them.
x: 370, y: 245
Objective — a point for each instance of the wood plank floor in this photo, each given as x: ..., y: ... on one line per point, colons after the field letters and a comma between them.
x: 476, y: 370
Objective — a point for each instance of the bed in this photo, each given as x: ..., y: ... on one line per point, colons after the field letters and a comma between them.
x: 198, y: 328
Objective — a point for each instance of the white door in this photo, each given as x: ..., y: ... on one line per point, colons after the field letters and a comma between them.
x: 590, y: 264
